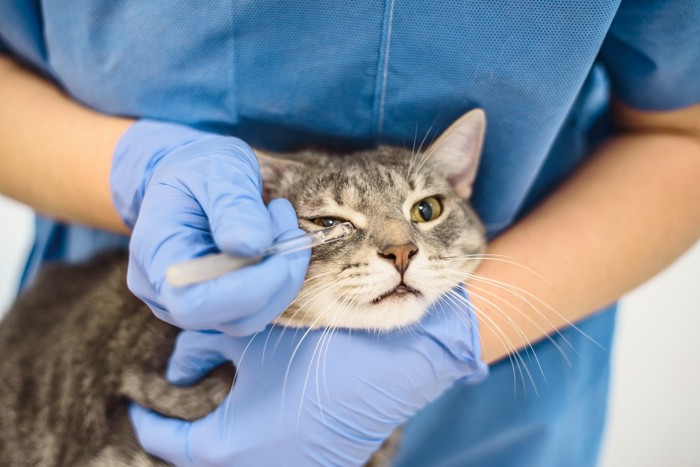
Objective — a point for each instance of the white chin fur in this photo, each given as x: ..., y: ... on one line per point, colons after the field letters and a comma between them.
x: 393, y: 312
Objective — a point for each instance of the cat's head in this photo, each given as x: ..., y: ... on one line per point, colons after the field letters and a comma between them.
x: 414, y: 229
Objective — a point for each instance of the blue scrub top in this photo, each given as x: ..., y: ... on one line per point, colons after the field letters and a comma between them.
x: 283, y: 75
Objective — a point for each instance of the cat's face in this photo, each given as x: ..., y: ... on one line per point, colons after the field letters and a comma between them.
x: 414, y: 230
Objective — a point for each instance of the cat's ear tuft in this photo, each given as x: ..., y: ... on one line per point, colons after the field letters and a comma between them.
x: 457, y: 151
x: 272, y: 170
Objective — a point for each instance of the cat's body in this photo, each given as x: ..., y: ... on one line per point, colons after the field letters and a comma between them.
x: 74, y: 350
x: 78, y: 346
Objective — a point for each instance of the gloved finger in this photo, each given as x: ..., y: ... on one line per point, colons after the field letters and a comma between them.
x: 240, y: 222
x: 139, y: 285
x: 233, y: 296
x: 285, y: 225
x: 297, y: 264
x: 257, y: 322
x: 171, y: 228
x: 166, y: 438
x: 194, y: 356
x: 185, y: 235
x: 283, y: 217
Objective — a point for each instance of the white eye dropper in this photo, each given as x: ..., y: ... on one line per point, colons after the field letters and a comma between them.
x: 216, y: 265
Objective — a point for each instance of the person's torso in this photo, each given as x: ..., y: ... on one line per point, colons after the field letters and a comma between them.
x: 346, y: 74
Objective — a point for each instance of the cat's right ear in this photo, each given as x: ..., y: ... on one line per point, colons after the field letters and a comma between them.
x: 457, y: 151
x: 272, y: 170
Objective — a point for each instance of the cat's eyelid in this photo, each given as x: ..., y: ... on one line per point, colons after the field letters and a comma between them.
x: 356, y: 219
x: 416, y: 196
x: 313, y: 218
x: 339, y: 212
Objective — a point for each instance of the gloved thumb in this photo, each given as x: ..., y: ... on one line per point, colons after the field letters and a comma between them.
x: 196, y: 354
x: 163, y: 437
x: 453, y: 324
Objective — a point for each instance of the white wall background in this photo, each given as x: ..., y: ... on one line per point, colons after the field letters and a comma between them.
x: 655, y: 402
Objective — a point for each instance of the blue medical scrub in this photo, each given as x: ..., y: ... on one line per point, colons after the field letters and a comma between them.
x: 283, y: 75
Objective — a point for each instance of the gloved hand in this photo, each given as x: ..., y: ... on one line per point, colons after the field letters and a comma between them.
x: 314, y: 398
x: 188, y: 193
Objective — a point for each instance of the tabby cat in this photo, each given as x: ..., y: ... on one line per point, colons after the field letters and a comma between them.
x: 77, y: 346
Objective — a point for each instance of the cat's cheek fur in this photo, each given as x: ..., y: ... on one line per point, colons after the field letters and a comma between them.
x: 350, y: 301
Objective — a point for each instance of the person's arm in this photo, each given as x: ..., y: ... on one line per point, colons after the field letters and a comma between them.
x: 184, y: 192
x: 623, y: 217
x: 56, y: 155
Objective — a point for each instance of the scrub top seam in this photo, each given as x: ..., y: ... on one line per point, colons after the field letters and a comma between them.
x: 231, y: 95
x: 383, y: 66
x: 385, y: 74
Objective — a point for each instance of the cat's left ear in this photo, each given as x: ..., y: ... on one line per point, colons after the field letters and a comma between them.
x: 457, y: 151
x: 272, y: 169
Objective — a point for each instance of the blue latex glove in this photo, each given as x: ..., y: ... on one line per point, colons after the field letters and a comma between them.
x: 189, y: 193
x: 342, y: 395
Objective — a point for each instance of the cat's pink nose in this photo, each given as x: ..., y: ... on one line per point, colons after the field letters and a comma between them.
x: 400, y: 255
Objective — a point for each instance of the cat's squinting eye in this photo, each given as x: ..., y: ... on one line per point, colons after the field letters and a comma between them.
x: 327, y: 221
x: 426, y: 210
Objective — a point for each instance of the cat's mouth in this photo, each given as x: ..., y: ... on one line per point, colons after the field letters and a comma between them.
x: 400, y: 290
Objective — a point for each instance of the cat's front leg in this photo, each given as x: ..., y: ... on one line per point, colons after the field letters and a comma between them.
x: 193, y: 402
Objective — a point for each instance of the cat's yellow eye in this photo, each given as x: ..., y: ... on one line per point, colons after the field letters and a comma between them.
x: 327, y: 221
x: 426, y: 210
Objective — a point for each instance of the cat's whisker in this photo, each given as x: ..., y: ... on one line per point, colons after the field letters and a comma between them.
x: 332, y: 328
x: 514, y: 362
x: 423, y: 158
x: 524, y: 341
x: 524, y: 315
x: 267, y: 340
x: 508, y: 344
x: 238, y: 366
x: 457, y: 308
x: 305, y: 292
x: 306, y: 296
x: 472, y: 277
x: 325, y: 340
x: 308, y: 286
x: 315, y: 355
x: 419, y: 152
x: 427, y: 156
x: 468, y: 325
x: 501, y: 258
x: 329, y: 290
x: 520, y: 292
x: 413, y: 153
x: 311, y: 295
x: 515, y: 359
x: 513, y: 289
x: 308, y: 289
x: 311, y: 326
x: 308, y: 301
x: 294, y: 352
x: 512, y: 357
x: 528, y: 318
